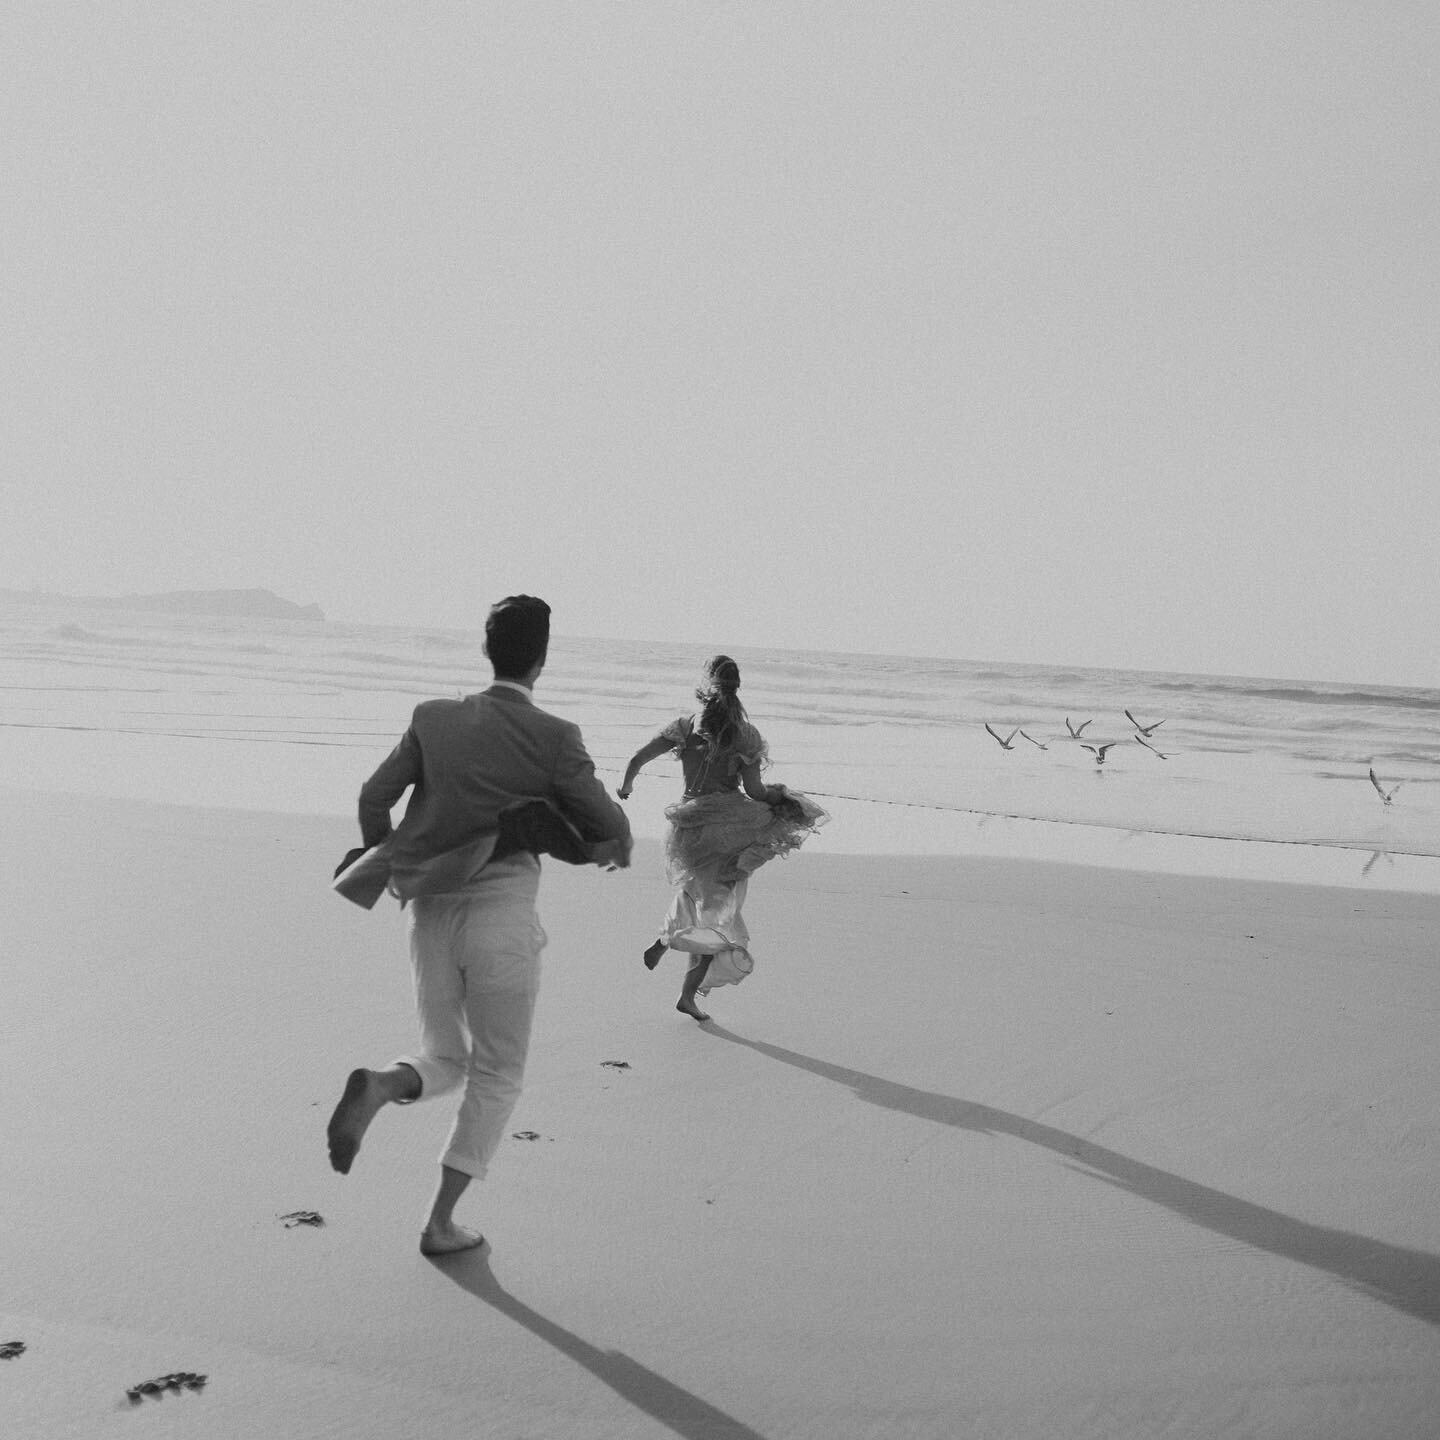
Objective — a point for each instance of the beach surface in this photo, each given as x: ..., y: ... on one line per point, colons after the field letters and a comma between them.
x: 984, y: 1147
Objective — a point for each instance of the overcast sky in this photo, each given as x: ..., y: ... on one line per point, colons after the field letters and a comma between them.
x: 1102, y: 334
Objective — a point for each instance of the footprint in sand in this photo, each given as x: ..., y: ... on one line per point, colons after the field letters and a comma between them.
x: 180, y: 1380
x: 302, y: 1217
x: 11, y: 1349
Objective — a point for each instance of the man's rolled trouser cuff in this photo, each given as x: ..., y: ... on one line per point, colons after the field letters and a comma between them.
x: 437, y: 1076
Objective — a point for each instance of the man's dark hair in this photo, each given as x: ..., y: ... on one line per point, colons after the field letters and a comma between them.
x: 517, y: 635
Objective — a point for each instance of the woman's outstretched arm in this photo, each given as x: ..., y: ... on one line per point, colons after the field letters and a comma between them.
x: 642, y: 757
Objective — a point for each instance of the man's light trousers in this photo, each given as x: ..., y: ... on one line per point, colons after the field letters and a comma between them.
x: 476, y: 960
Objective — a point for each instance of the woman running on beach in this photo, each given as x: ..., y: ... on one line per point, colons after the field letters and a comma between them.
x: 718, y: 836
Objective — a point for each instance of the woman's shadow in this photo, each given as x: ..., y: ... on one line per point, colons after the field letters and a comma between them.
x: 684, y: 1413
x: 1407, y: 1279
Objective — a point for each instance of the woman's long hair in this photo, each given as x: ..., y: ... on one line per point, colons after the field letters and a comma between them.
x: 723, y: 714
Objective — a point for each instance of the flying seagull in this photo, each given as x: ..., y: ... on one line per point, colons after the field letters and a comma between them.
x: 1386, y: 795
x: 1098, y: 751
x: 1141, y: 740
x: 1005, y: 743
x: 1075, y: 734
x: 1143, y: 729
x: 1034, y: 741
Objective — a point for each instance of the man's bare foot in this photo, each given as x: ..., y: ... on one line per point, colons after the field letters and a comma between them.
x: 448, y: 1239
x: 362, y: 1100
x: 690, y: 1008
x: 653, y: 954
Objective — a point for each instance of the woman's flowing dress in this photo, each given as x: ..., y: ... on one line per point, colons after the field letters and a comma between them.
x: 718, y: 837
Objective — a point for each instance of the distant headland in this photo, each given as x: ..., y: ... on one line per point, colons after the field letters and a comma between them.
x: 259, y: 604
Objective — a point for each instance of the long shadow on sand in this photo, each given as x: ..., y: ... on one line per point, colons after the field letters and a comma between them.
x: 1407, y: 1279
x: 686, y: 1414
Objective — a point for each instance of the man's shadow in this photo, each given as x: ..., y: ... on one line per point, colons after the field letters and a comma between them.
x: 686, y: 1414
x: 1407, y: 1279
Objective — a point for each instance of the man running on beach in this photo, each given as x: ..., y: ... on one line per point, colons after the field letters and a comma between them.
x: 475, y: 939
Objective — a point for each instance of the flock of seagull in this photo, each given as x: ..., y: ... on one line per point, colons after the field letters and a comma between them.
x: 1141, y: 737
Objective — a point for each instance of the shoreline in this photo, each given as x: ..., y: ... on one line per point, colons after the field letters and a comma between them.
x: 902, y: 831
x: 899, y: 830
x: 1298, y: 862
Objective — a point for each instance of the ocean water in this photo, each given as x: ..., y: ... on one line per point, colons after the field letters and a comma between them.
x: 1253, y: 776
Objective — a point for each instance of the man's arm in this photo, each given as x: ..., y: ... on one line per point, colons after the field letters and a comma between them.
x: 582, y: 796
x: 395, y: 774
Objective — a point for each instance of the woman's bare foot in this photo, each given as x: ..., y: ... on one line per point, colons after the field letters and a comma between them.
x: 653, y: 954
x: 448, y: 1239
x: 694, y: 979
x: 364, y: 1097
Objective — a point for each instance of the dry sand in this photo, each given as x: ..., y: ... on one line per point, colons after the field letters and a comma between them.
x: 985, y: 1148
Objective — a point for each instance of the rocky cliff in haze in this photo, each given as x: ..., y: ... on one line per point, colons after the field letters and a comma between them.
x: 260, y: 604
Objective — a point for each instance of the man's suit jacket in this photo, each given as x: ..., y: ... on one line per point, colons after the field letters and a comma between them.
x: 468, y: 760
